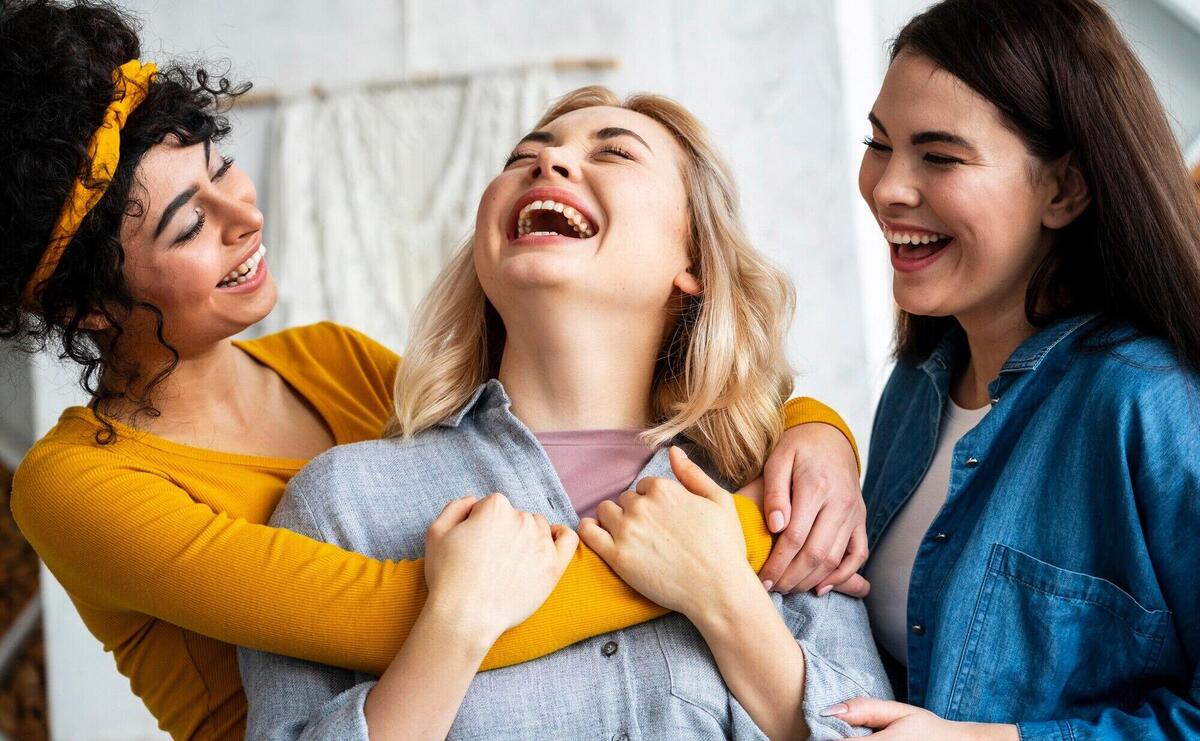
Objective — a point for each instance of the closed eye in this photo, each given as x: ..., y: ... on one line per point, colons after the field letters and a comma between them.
x: 517, y: 156
x: 941, y: 159
x: 226, y: 163
x: 878, y: 147
x: 612, y: 149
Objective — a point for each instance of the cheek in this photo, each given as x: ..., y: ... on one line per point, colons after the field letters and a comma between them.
x: 869, y: 172
x: 489, y: 214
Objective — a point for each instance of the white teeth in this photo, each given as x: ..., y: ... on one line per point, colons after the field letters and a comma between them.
x: 245, y: 271
x: 911, y: 238
x: 573, y: 217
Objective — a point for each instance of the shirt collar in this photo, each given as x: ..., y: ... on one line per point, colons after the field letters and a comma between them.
x: 1028, y: 355
x: 489, y: 395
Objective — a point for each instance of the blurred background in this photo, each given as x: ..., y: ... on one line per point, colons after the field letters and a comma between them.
x: 372, y: 129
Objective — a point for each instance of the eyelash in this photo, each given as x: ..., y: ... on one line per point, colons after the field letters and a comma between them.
x: 190, y: 234
x: 933, y: 159
x: 608, y: 148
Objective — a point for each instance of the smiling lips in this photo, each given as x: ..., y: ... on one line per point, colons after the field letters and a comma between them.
x: 245, y: 271
x: 914, y: 249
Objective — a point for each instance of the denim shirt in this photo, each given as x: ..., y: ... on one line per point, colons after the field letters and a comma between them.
x: 1059, y: 586
x: 650, y: 681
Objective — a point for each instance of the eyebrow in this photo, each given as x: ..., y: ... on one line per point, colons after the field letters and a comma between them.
x: 926, y: 137
x: 180, y: 199
x: 174, y: 206
x: 609, y: 132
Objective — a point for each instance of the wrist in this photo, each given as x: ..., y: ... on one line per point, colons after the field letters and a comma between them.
x: 724, y: 607
x: 461, y: 623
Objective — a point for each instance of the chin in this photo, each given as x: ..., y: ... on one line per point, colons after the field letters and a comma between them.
x: 539, y: 271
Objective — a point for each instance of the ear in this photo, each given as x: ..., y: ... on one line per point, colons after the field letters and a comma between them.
x: 688, y: 283
x: 94, y: 320
x: 1071, y: 194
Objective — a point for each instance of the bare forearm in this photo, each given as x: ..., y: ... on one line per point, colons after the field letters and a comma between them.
x: 758, y: 657
x: 419, y: 695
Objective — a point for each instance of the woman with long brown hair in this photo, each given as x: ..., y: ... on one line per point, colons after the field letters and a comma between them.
x: 1034, y: 479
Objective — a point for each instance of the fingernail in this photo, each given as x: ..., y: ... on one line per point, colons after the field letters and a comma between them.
x: 775, y: 521
x: 682, y: 452
x: 824, y: 590
x: 767, y: 584
x: 833, y: 710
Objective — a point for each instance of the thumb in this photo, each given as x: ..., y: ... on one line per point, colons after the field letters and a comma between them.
x: 869, y: 712
x: 565, y: 543
x: 693, y: 478
x: 452, y: 514
x: 597, y: 538
x: 855, y: 586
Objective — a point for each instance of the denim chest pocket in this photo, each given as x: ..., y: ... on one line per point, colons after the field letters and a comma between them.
x: 1044, y: 641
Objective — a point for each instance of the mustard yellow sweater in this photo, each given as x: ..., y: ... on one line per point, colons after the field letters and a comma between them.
x: 163, y: 549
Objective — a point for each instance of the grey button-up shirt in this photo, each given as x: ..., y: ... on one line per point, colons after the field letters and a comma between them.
x: 650, y: 681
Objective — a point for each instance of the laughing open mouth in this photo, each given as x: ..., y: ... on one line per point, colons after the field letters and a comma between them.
x: 551, y: 218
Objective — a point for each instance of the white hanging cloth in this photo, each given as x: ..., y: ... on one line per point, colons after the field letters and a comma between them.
x: 370, y: 192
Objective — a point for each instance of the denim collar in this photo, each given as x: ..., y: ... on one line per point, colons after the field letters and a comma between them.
x: 1027, y: 357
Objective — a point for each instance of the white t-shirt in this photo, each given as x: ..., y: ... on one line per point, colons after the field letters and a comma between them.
x: 892, y: 560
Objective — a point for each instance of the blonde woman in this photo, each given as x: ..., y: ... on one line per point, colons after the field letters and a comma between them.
x: 607, y: 306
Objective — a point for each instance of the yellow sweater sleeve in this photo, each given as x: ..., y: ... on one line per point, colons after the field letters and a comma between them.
x: 803, y: 410
x: 119, y: 538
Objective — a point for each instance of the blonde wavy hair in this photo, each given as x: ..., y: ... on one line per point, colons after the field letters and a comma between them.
x: 721, y: 376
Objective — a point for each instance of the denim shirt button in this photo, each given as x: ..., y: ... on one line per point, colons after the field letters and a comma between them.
x: 918, y: 629
x: 940, y: 538
x: 621, y: 737
x: 972, y: 462
x: 609, y: 648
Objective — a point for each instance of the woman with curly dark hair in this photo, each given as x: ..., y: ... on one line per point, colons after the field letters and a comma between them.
x: 127, y: 237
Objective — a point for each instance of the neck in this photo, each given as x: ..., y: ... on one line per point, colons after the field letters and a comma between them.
x: 992, y: 339
x: 215, y: 386
x: 579, y: 370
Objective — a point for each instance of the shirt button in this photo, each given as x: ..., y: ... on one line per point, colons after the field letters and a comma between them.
x: 918, y: 630
x: 940, y: 538
x: 972, y: 462
x: 609, y: 649
x: 621, y: 737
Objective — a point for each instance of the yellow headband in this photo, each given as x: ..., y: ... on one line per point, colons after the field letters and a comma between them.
x: 104, y: 152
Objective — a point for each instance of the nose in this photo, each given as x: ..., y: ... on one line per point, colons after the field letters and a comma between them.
x: 240, y: 216
x: 552, y: 162
x: 896, y: 186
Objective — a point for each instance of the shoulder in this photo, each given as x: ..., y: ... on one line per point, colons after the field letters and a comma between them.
x: 369, y: 470
x: 67, y: 475
x: 1130, y: 374
x: 327, y: 341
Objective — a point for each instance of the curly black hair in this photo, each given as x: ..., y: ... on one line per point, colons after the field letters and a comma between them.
x: 56, y: 81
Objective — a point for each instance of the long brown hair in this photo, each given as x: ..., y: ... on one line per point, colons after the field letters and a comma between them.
x: 1067, y: 82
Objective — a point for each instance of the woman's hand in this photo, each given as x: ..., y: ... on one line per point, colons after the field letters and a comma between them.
x: 814, y: 502
x: 897, y: 721
x: 682, y: 549
x: 493, y: 565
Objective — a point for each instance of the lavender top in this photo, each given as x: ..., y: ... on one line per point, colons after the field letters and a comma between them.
x: 595, y: 465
